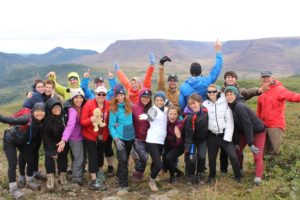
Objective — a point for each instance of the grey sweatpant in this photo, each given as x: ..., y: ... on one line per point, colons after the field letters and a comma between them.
x: 77, y: 166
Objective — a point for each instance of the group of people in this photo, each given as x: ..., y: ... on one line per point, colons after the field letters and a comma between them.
x: 189, y: 120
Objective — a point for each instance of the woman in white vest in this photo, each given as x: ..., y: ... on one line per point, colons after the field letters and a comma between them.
x: 156, y: 135
x: 221, y: 126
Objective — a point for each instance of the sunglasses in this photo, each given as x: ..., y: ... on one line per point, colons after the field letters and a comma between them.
x: 212, y: 91
x: 101, y: 94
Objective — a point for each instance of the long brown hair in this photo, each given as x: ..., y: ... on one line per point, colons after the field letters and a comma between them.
x: 113, y: 106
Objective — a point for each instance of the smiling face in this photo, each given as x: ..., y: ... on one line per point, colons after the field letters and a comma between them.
x: 159, y: 102
x: 267, y: 80
x: 145, y: 100
x: 120, y: 98
x: 73, y: 82
x: 194, y: 105
x: 212, y: 93
x: 78, y: 100
x: 40, y: 87
x: 172, y: 84
x: 48, y: 89
x: 134, y: 84
x: 56, y: 110
x: 173, y: 115
x: 230, y: 96
x: 230, y: 80
x: 39, y: 114
x: 100, y: 97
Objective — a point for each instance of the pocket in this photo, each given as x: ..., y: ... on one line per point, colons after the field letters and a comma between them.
x: 128, y: 132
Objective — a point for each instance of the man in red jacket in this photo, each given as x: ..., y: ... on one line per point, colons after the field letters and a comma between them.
x: 271, y: 110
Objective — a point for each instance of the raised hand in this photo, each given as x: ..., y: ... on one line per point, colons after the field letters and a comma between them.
x: 110, y: 75
x: 116, y: 66
x: 151, y: 58
x: 164, y: 59
x: 51, y: 76
x: 87, y: 74
x: 218, y: 46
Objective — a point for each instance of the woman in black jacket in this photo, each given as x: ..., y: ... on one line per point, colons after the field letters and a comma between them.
x: 53, y: 128
x: 249, y: 129
x: 25, y: 128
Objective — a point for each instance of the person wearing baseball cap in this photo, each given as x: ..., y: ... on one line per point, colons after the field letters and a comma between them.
x: 171, y: 88
x: 271, y: 110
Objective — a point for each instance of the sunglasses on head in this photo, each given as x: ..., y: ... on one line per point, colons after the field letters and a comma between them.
x: 212, y: 91
x: 101, y: 94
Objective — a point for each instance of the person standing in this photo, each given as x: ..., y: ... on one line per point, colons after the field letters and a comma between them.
x: 271, y: 110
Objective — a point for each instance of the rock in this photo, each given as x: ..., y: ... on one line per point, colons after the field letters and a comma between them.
x: 72, y: 194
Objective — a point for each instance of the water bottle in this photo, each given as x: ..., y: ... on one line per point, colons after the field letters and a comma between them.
x: 192, y: 152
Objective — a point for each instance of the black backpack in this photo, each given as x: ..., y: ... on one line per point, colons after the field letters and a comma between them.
x: 66, y: 105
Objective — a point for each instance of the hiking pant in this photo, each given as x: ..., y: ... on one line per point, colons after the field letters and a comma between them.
x: 95, y: 150
x: 123, y: 158
x: 199, y: 159
x: 77, y: 163
x: 155, y: 151
x: 139, y: 147
x: 62, y: 162
x: 273, y: 140
x: 108, y: 147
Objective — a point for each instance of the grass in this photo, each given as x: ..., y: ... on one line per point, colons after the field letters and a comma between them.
x: 281, y: 175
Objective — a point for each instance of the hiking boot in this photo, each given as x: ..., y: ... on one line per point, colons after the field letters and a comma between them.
x: 178, y: 173
x: 39, y: 176
x: 100, y: 177
x: 33, y: 184
x: 63, y: 178
x: 15, y: 191
x: 21, y: 182
x: 122, y: 191
x: 95, y: 185
x: 257, y: 181
x: 110, y: 171
x: 50, y: 182
x: 200, y: 177
x: 152, y: 185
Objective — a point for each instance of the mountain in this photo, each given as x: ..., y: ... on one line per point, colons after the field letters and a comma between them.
x: 59, y: 55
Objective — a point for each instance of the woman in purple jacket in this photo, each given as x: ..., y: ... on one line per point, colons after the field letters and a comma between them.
x: 174, y: 142
x: 141, y: 127
x: 72, y: 135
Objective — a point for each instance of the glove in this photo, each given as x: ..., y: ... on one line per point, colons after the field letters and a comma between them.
x: 116, y: 66
x: 151, y: 58
x: 143, y: 117
x: 254, y: 149
x: 119, y: 144
x: 164, y: 59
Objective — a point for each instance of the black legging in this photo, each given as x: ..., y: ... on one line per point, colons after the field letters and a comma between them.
x: 171, y: 158
x: 36, y: 144
x: 108, y: 147
x: 95, y: 151
x: 62, y: 162
x: 10, y: 150
x: 155, y: 151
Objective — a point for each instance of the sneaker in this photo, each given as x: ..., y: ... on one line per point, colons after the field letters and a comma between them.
x: 152, y: 185
x: 101, y: 177
x: 21, y: 183
x: 173, y: 180
x: 122, y: 191
x: 257, y: 181
x: 40, y: 176
x: 110, y: 171
x: 15, y: 191
x: 95, y: 185
x: 33, y: 184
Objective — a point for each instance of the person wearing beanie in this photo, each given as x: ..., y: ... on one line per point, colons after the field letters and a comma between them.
x: 171, y: 88
x: 156, y: 135
x: 221, y: 127
x: 198, y: 83
x: 122, y: 131
x: 53, y: 129
x: 133, y: 86
x: 96, y: 140
x: 89, y: 93
x: 249, y: 129
x: 141, y: 127
x: 73, y: 83
x: 20, y: 136
x: 73, y: 136
x: 271, y: 110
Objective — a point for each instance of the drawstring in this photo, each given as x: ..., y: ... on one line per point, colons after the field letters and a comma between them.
x: 30, y: 131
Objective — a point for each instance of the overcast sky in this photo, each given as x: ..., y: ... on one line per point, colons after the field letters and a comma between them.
x: 37, y: 26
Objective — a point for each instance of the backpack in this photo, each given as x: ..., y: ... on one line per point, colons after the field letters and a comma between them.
x: 22, y: 112
x: 65, y: 112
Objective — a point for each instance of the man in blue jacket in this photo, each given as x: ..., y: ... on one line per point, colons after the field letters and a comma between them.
x: 198, y: 83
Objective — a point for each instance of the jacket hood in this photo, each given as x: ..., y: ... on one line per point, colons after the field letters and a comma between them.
x: 51, y: 103
x: 195, y: 81
x: 74, y: 74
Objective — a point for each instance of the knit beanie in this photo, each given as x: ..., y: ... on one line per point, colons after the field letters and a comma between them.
x: 119, y: 89
x: 38, y: 106
x: 195, y: 69
x: 232, y: 89
x: 75, y: 92
x: 160, y: 94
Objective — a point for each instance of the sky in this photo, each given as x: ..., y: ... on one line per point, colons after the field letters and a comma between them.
x: 37, y: 26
